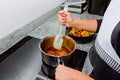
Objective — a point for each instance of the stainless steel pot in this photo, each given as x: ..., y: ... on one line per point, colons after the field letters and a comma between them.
x: 52, y: 60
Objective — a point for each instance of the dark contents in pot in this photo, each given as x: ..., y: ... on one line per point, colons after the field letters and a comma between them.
x: 54, y: 52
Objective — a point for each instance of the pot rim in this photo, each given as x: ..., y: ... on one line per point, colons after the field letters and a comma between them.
x: 53, y: 55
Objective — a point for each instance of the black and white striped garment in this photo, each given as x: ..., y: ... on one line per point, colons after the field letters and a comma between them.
x: 107, y: 43
x: 115, y: 37
x: 115, y: 41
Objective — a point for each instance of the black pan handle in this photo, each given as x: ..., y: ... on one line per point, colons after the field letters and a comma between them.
x: 60, y: 61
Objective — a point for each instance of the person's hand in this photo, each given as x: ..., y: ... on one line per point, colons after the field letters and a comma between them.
x: 65, y: 18
x: 66, y: 73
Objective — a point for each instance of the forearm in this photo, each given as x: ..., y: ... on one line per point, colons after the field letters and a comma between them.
x: 70, y: 74
x: 90, y: 25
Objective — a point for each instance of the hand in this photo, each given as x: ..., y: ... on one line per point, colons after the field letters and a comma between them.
x: 65, y: 18
x: 66, y: 73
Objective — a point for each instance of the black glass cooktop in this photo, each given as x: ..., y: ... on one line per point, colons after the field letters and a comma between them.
x: 24, y: 61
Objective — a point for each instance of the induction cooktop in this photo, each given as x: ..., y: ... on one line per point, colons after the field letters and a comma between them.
x: 23, y: 61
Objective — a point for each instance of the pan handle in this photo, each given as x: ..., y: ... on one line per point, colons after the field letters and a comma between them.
x: 60, y: 61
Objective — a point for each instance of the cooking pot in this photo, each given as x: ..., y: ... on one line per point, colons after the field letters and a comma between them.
x: 53, y: 60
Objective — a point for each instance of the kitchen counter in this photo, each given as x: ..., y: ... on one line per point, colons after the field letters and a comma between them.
x: 51, y: 27
x: 44, y: 26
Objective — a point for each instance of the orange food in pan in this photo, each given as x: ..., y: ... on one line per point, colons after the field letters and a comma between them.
x: 79, y: 32
x: 52, y: 51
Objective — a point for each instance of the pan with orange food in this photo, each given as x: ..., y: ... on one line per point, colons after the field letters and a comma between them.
x: 79, y: 35
x: 52, y: 56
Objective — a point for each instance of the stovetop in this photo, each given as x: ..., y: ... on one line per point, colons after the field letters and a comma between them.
x: 23, y: 61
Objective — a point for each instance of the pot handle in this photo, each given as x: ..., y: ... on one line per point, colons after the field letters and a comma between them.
x: 60, y: 61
